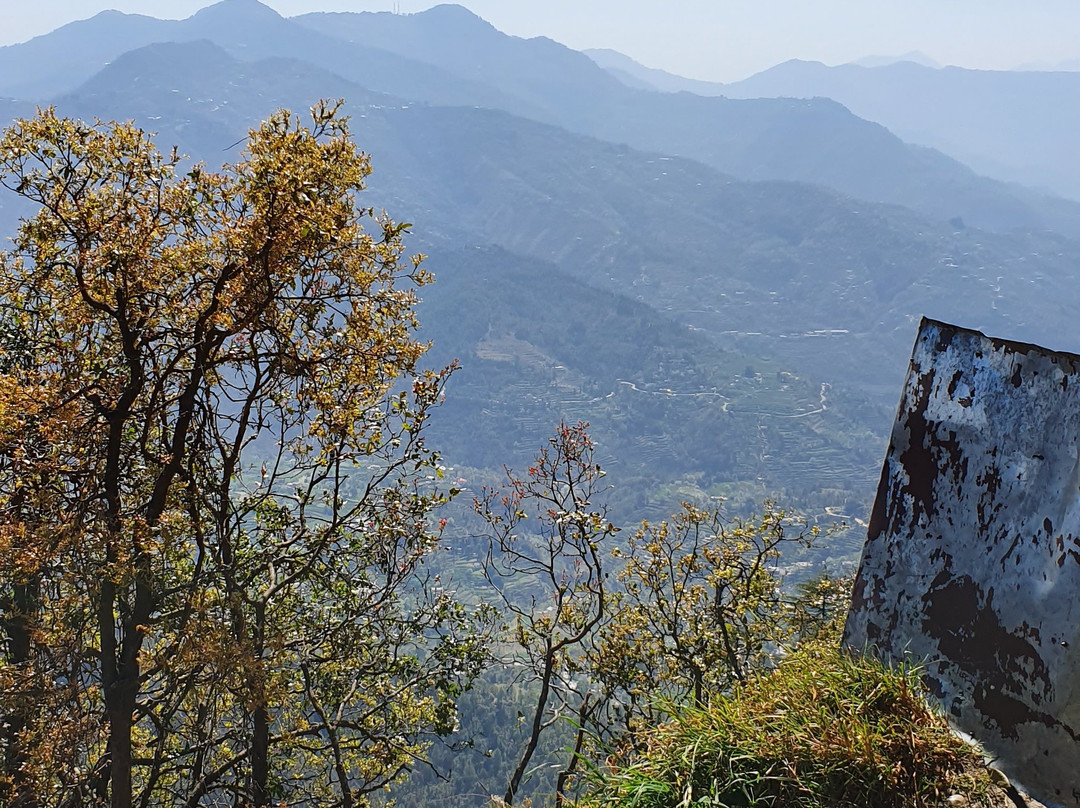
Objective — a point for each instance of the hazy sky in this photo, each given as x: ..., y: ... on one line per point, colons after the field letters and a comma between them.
x: 710, y: 39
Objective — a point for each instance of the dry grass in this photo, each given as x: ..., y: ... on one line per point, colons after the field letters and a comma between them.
x: 823, y: 730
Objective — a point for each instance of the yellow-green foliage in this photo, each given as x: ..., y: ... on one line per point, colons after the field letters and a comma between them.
x: 823, y: 729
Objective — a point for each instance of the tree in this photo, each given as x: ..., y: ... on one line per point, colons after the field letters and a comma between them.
x: 214, y: 488
x: 697, y: 605
x: 699, y: 608
x: 545, y: 562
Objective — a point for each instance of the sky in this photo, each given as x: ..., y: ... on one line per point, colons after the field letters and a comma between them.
x: 718, y: 40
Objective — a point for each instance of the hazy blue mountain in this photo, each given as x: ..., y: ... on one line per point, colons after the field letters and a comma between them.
x: 537, y: 344
x: 1018, y: 126
x: 449, y: 56
x: 773, y: 268
x: 1011, y: 126
x: 637, y: 286
x: 61, y: 60
x: 55, y: 63
x: 634, y: 74
x: 916, y: 57
x: 810, y: 140
x: 560, y: 85
x: 250, y: 30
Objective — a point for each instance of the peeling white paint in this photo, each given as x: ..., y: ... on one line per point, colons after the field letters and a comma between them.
x: 972, y: 558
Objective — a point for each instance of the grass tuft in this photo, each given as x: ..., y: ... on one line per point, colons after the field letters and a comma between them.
x: 825, y: 729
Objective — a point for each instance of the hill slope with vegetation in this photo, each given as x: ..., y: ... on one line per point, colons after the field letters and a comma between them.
x: 728, y: 340
x: 799, y: 301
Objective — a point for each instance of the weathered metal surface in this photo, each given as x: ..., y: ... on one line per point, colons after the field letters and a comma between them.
x: 972, y: 558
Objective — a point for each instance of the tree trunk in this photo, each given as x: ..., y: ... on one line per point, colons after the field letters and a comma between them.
x: 729, y: 647
x: 120, y: 678
x: 534, y: 736
x: 575, y: 755
x: 120, y: 704
x: 20, y: 610
x: 260, y: 758
x: 260, y: 740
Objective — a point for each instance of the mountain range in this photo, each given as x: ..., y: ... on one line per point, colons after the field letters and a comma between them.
x: 448, y: 56
x: 727, y: 289
x: 1017, y: 126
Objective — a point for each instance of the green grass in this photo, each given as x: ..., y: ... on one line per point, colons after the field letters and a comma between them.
x: 823, y: 730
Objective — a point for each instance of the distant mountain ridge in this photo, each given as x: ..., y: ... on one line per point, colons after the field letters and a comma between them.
x: 636, y: 75
x: 56, y: 63
x: 448, y: 56
x: 915, y: 57
x: 1018, y: 126
x: 586, y: 276
x: 811, y: 141
x: 617, y: 218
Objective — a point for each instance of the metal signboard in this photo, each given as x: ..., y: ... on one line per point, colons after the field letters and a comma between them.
x: 972, y: 559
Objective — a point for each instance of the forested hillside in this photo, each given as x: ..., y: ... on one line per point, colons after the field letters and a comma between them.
x: 801, y: 286
x: 724, y: 290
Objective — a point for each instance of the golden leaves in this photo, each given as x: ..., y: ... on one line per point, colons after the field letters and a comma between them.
x: 161, y: 335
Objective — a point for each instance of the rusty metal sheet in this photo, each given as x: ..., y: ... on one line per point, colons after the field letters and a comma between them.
x: 972, y: 556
